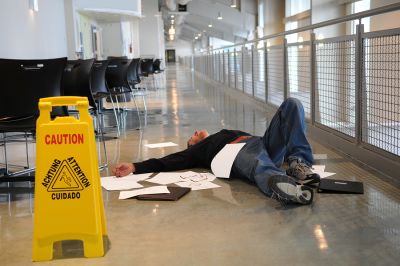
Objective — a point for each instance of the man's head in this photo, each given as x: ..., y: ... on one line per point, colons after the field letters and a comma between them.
x: 198, y: 136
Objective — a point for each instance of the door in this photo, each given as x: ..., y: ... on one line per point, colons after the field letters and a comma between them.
x: 170, y: 55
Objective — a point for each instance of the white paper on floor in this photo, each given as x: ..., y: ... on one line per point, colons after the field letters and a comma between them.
x: 143, y: 191
x: 123, y: 183
x: 165, y: 178
x: 191, y: 179
x: 320, y: 169
x: 198, y: 185
x: 160, y: 145
x: 320, y: 156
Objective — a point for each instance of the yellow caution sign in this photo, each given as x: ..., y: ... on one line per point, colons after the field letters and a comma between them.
x: 68, y: 197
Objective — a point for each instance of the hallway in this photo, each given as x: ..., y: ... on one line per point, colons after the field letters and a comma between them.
x: 231, y: 225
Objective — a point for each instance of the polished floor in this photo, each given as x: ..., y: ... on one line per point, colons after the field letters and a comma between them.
x: 231, y: 225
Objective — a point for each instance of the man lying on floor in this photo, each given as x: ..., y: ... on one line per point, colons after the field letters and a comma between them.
x: 259, y: 161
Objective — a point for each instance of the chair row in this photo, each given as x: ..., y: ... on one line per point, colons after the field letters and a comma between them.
x: 24, y: 82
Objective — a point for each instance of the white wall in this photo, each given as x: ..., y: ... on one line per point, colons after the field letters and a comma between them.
x: 182, y: 48
x: 151, y: 31
x: 135, y: 38
x: 128, y: 5
x: 386, y: 21
x: 112, y: 39
x: 323, y: 10
x: 27, y: 34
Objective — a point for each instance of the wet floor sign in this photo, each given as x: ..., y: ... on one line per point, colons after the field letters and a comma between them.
x: 68, y: 199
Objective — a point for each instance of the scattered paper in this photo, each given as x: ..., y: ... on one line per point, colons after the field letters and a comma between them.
x: 197, y: 185
x: 149, y: 190
x: 326, y: 174
x: 123, y: 183
x: 165, y: 178
x: 320, y: 169
x: 160, y: 145
x: 115, y: 183
x: 222, y: 163
x: 320, y: 156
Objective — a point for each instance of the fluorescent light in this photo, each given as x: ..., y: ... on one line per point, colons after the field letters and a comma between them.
x: 172, y: 16
x: 219, y: 16
x: 233, y: 3
x: 171, y: 31
x: 210, y: 25
x: 34, y: 5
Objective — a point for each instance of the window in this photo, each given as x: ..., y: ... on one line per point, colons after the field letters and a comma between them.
x: 357, y: 7
x: 294, y: 7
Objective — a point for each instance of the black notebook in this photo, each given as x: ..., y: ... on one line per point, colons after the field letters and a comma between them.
x: 340, y: 186
x: 175, y: 193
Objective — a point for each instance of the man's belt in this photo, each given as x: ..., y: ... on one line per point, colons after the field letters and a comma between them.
x: 239, y: 139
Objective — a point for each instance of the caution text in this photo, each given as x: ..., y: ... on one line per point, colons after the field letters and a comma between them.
x: 57, y: 139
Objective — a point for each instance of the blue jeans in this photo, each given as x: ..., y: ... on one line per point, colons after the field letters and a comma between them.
x: 284, y: 140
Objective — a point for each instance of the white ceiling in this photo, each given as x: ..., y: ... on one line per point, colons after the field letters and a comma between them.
x: 234, y: 27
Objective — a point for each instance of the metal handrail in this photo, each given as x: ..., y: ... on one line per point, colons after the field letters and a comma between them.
x: 360, y: 15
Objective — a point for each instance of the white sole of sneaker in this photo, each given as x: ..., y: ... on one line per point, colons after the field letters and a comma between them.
x: 286, y: 189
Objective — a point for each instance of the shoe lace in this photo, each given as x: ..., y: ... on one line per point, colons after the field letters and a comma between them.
x: 302, y: 170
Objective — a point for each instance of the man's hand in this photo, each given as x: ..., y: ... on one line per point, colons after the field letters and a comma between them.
x: 123, y: 169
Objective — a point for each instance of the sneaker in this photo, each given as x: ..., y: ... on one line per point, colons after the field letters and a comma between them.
x: 286, y: 190
x: 302, y: 173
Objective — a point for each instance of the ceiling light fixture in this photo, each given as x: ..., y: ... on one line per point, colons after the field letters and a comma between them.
x: 34, y: 5
x: 172, y: 16
x: 219, y: 16
x: 210, y: 25
x: 233, y: 3
x: 171, y: 31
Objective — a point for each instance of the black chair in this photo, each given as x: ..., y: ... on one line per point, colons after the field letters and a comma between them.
x: 117, y: 74
x: 117, y: 57
x: 157, y: 66
x: 24, y: 82
x: 100, y: 89
x: 76, y: 81
x: 134, y: 80
x: 77, y: 78
x: 158, y: 73
x: 147, y: 70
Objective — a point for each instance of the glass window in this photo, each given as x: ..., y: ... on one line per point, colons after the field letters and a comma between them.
x: 294, y: 7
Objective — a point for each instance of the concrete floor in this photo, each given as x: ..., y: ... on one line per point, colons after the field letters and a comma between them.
x: 231, y: 225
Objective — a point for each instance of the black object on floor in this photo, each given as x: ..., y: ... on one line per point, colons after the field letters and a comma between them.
x: 340, y: 186
x: 175, y: 194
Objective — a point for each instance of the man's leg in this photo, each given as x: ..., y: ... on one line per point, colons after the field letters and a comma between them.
x: 285, y: 137
x: 276, y: 184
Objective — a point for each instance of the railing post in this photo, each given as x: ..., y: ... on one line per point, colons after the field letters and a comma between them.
x: 360, y: 94
x: 223, y: 66
x: 229, y: 68
x: 235, y: 65
x: 243, y: 48
x: 312, y: 77
x: 266, y: 70
x: 252, y: 70
x: 285, y: 70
